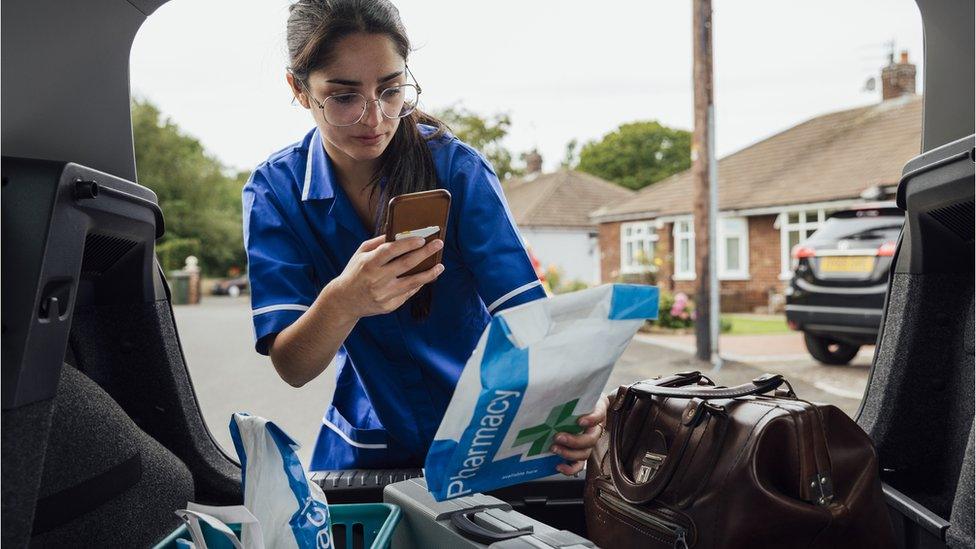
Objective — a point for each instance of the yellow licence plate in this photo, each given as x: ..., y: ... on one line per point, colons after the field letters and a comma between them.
x: 847, y: 264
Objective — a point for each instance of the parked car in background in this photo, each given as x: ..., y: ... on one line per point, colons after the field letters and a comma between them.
x: 840, y: 279
x: 230, y: 286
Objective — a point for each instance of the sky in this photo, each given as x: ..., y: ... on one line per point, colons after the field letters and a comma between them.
x: 561, y: 69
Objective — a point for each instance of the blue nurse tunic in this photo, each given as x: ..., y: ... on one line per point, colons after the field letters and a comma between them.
x: 396, y: 374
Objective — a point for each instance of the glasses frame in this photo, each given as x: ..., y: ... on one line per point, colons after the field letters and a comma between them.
x: 366, y: 102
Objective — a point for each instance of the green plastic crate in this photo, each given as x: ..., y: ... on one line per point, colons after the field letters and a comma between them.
x: 367, y: 525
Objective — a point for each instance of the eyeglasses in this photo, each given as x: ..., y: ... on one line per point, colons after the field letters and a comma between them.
x: 346, y: 109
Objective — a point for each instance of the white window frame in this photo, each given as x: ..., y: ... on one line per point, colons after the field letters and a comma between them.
x: 803, y: 225
x: 679, y: 233
x: 683, y: 229
x: 737, y: 227
x: 643, y: 232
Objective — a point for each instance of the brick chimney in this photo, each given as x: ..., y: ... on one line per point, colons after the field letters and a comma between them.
x: 897, y: 79
x: 533, y: 162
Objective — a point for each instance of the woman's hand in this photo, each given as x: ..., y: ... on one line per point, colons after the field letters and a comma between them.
x: 369, y: 285
x: 576, y: 448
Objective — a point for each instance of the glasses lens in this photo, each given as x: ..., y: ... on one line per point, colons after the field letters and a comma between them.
x: 345, y: 109
x: 399, y: 101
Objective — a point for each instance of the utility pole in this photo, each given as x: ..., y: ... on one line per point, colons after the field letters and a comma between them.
x: 705, y: 175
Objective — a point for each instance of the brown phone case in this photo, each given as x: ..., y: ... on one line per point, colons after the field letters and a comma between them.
x: 413, y: 211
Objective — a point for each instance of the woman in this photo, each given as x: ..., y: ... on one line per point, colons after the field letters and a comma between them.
x: 326, y: 290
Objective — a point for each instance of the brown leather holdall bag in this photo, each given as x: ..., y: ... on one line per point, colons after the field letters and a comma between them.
x: 688, y: 464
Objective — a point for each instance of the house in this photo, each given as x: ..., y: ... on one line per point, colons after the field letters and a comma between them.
x: 552, y: 213
x: 772, y: 195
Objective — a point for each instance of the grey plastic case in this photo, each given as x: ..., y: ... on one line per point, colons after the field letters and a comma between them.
x: 472, y: 521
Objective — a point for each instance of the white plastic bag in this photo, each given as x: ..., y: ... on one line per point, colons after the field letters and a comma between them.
x: 218, y: 518
x: 291, y: 510
x: 536, y: 369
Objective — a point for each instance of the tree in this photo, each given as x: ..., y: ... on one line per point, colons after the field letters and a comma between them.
x: 201, y: 202
x: 484, y: 134
x: 637, y: 154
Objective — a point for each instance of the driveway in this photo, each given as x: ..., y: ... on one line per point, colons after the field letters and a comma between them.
x: 228, y: 375
x: 784, y: 354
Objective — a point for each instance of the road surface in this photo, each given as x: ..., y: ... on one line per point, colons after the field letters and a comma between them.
x: 229, y: 376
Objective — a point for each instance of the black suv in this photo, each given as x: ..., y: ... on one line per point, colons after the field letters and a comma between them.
x: 839, y: 283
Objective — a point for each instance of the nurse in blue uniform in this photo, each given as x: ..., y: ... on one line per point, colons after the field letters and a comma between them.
x: 325, y: 290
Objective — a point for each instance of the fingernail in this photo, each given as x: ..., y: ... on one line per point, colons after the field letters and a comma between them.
x: 561, y: 439
x: 554, y: 449
x: 438, y: 244
x: 440, y: 268
x: 584, y: 422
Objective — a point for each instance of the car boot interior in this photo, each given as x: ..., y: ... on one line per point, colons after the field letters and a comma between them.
x: 919, y: 404
x: 117, y: 438
x: 114, y: 443
x: 101, y: 469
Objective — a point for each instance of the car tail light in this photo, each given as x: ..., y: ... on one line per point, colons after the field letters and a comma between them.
x: 792, y: 325
x: 800, y: 252
x: 887, y: 249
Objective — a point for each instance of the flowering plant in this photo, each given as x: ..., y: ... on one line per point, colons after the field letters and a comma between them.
x: 676, y: 311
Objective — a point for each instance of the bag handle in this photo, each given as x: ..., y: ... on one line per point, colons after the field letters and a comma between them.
x: 631, y: 491
x: 762, y: 384
x: 698, y: 406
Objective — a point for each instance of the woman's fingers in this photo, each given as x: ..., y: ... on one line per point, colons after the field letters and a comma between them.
x: 372, y: 243
x: 577, y: 447
x: 403, y: 288
x: 410, y: 260
x: 598, y: 415
x: 585, y: 440
x: 388, y: 251
x: 570, y: 469
x: 414, y: 282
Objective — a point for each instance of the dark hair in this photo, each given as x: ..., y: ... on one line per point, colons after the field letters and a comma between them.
x: 314, y: 27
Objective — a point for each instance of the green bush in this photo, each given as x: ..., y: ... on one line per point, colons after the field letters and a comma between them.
x: 554, y: 277
x: 724, y: 325
x: 173, y: 252
x: 199, y: 196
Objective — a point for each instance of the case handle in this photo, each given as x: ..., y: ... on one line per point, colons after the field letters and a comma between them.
x: 473, y: 531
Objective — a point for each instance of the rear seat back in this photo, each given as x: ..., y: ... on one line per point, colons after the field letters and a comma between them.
x: 105, y: 482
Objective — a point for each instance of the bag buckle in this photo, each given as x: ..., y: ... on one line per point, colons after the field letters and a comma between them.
x: 650, y: 463
x: 822, y: 489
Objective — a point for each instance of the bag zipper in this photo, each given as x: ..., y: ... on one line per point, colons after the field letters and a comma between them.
x: 676, y: 531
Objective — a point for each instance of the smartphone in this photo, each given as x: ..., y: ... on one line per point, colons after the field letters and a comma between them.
x: 422, y: 214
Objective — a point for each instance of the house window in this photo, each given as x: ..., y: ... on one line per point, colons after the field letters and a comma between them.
x: 795, y: 228
x: 637, y: 247
x: 684, y: 249
x: 733, y: 250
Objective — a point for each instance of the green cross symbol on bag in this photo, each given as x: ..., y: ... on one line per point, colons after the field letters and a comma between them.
x: 560, y: 420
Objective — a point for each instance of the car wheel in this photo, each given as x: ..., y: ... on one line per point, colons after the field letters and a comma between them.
x: 234, y: 291
x: 830, y: 351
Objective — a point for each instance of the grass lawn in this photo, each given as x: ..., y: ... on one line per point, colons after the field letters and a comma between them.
x: 756, y: 324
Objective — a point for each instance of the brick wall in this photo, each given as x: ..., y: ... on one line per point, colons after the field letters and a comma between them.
x: 608, y: 235
x: 736, y: 295
x: 764, y: 259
